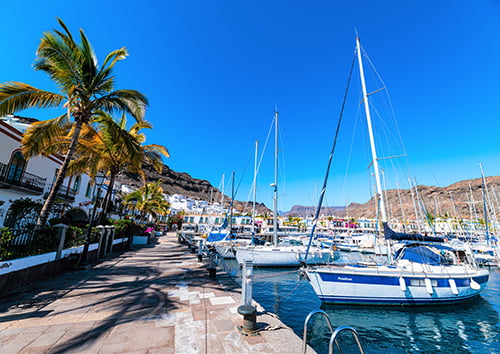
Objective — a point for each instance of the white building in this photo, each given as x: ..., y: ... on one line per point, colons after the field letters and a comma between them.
x: 33, y: 179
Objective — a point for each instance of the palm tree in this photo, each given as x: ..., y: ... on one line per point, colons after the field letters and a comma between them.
x: 148, y: 200
x: 85, y: 89
x: 114, y: 149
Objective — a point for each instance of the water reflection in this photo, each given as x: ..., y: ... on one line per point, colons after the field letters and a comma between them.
x: 471, y: 327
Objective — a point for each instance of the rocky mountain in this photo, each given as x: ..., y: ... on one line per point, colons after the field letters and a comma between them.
x: 463, y: 199
x: 182, y: 183
x: 308, y: 211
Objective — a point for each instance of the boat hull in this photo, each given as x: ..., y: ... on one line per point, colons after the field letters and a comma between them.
x: 281, y: 256
x: 376, y: 286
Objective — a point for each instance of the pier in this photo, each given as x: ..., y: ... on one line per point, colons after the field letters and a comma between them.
x: 155, y: 299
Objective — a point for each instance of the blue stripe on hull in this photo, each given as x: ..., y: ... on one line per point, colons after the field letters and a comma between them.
x: 340, y: 300
x: 394, y: 280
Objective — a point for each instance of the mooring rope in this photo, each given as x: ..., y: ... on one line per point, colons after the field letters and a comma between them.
x: 274, y: 276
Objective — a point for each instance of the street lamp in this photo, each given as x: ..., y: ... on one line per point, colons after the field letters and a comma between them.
x: 98, y: 182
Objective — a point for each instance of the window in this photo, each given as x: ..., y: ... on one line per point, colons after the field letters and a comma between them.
x: 55, y: 175
x: 88, y: 191
x: 421, y: 282
x: 16, y: 167
x: 76, y: 185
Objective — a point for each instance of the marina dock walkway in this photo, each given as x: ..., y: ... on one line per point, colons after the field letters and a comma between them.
x: 154, y: 299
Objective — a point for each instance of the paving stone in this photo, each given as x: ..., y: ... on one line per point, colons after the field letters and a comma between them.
x: 156, y: 299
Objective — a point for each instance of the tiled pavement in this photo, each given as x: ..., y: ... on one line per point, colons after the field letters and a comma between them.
x: 156, y: 299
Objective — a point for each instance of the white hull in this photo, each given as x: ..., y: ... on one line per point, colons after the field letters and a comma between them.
x: 382, y: 285
x: 281, y: 256
x: 227, y: 249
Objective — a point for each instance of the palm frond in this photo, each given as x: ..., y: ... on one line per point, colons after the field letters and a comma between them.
x: 114, y: 57
x: 60, y: 58
x: 130, y: 101
x: 89, y: 64
x: 47, y: 137
x: 17, y: 96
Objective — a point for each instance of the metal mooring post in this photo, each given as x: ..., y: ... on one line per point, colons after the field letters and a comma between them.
x: 109, y: 239
x: 200, y: 250
x: 102, y: 242
x: 61, y: 232
x: 247, y: 310
x: 246, y: 282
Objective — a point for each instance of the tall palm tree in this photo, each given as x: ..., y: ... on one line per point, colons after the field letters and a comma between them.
x: 113, y: 149
x: 85, y: 87
x: 148, y: 200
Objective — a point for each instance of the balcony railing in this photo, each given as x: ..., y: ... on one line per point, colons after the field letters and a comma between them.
x: 27, y: 182
x: 64, y: 192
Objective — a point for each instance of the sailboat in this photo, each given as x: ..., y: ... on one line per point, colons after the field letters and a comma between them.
x: 422, y: 272
x: 226, y: 246
x: 279, y: 254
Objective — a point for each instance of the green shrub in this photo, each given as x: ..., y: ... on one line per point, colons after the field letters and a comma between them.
x: 6, y: 236
x: 75, y: 236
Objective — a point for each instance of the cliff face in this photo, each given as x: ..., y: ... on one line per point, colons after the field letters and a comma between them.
x: 308, y: 211
x: 182, y: 183
x: 462, y: 200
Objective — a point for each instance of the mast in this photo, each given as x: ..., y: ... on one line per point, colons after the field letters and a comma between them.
x: 254, y: 186
x: 417, y: 214
x: 370, y: 133
x: 275, y: 184
x: 485, y: 195
x: 401, y: 206
x: 222, y: 192
x: 231, y: 206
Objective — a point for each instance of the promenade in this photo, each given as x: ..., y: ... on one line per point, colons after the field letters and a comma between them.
x: 154, y: 299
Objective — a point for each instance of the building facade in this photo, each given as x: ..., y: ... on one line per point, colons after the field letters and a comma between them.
x: 33, y: 178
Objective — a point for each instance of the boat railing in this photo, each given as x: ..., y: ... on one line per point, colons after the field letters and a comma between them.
x: 333, y: 337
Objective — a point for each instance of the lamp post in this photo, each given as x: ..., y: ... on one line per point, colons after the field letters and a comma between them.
x: 98, y: 182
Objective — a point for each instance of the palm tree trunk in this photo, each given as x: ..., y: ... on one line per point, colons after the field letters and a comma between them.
x: 107, y: 197
x: 61, y: 175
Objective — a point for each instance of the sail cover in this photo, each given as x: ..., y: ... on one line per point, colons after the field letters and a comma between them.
x: 401, y: 236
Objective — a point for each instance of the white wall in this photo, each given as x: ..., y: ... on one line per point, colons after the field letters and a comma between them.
x: 41, y: 166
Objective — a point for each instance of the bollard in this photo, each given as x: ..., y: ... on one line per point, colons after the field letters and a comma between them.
x: 249, y: 314
x: 111, y: 235
x: 212, y: 271
x: 200, y: 250
x: 61, y: 232
x: 246, y: 282
x: 102, y: 242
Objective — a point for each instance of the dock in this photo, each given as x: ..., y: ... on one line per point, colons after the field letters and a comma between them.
x: 154, y: 299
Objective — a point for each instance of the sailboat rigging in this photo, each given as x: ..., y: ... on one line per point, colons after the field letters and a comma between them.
x: 420, y: 274
x: 278, y: 254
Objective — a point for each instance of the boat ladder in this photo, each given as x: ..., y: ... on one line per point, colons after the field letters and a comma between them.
x: 333, y: 337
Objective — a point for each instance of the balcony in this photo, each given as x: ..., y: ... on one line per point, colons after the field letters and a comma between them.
x: 65, y: 193
x: 26, y: 182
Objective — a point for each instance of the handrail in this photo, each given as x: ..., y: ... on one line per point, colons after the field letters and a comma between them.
x: 306, y: 322
x: 25, y: 179
x: 333, y: 339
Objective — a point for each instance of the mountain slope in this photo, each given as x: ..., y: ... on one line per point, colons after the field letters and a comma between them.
x: 182, y: 183
x: 460, y: 200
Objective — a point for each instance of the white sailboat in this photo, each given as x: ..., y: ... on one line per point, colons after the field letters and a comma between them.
x: 279, y: 255
x: 226, y: 247
x: 420, y: 273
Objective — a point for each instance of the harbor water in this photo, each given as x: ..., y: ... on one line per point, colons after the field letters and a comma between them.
x: 470, y: 327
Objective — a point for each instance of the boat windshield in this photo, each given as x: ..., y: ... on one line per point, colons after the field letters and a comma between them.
x: 420, y: 254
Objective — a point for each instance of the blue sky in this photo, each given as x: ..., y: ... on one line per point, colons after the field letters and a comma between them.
x: 214, y: 71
